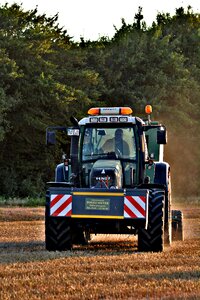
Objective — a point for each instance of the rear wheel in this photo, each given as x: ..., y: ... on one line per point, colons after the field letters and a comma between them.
x: 177, y: 225
x: 152, y: 238
x: 58, y: 234
x: 163, y: 176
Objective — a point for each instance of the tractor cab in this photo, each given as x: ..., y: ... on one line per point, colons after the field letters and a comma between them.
x: 108, y: 149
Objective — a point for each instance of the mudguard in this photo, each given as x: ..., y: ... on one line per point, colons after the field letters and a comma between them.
x: 162, y: 171
x: 62, y: 173
x: 59, y: 173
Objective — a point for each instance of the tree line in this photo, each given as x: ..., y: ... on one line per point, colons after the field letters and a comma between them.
x: 46, y: 77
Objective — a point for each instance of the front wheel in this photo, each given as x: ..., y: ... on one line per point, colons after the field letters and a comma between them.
x: 152, y: 238
x: 58, y: 236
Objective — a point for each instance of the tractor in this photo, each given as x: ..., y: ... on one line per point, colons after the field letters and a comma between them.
x: 114, y: 181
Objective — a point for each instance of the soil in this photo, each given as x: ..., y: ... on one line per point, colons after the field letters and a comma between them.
x: 110, y: 267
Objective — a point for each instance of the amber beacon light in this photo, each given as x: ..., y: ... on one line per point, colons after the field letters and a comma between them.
x: 148, y: 109
x: 126, y: 111
x: 95, y: 111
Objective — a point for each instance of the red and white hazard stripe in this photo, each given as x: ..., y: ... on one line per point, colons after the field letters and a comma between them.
x: 134, y: 207
x: 61, y: 205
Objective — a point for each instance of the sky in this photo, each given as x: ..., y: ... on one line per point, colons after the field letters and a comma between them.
x: 92, y: 19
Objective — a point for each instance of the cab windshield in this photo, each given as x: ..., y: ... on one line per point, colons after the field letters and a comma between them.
x: 102, y: 142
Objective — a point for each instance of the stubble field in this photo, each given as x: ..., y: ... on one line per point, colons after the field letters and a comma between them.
x: 109, y: 268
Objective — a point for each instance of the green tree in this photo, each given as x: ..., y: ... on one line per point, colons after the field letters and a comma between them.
x: 160, y: 65
x: 44, y: 74
x: 46, y: 78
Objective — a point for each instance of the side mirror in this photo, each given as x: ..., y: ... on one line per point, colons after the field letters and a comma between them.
x: 50, y: 138
x: 162, y: 136
x: 51, y: 134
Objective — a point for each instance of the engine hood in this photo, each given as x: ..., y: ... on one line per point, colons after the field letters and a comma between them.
x: 106, y: 173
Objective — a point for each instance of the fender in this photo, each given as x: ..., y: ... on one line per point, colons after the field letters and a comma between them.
x: 162, y: 176
x: 61, y: 174
x: 162, y: 172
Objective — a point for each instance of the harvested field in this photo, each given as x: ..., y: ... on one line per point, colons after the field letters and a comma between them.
x: 109, y: 268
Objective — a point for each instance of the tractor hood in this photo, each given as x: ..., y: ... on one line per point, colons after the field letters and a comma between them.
x: 106, y: 173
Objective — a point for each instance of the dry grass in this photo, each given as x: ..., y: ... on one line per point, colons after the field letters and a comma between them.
x: 109, y: 268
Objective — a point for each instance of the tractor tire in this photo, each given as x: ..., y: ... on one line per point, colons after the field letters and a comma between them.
x: 58, y: 235
x: 177, y: 225
x: 152, y: 238
x: 80, y: 237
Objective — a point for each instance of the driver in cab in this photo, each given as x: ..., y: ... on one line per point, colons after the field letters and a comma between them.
x: 117, y: 144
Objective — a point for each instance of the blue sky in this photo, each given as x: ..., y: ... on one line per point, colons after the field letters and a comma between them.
x: 94, y: 18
